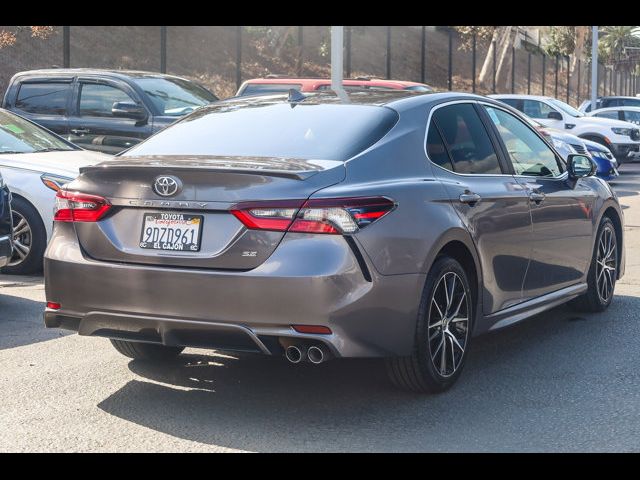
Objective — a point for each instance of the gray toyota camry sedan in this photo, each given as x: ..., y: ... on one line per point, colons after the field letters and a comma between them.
x: 392, y: 224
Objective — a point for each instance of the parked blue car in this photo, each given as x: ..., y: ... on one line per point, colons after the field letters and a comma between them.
x: 604, y: 159
x: 6, y: 225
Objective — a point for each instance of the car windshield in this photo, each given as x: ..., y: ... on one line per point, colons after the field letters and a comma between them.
x: 20, y: 136
x: 175, y: 96
x: 566, y: 108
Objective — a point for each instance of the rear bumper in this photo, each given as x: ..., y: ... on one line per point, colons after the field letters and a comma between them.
x: 309, y: 279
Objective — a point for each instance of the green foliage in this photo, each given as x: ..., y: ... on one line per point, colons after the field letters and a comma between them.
x: 561, y: 41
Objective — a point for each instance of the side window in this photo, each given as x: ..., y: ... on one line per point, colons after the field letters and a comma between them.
x: 610, y: 102
x: 96, y: 100
x: 46, y: 98
x: 630, y: 102
x: 613, y: 114
x: 536, y: 109
x: 436, y: 150
x: 467, y: 140
x: 632, y: 116
x: 529, y: 154
x: 512, y: 102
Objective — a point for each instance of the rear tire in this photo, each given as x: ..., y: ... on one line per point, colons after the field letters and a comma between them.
x: 146, y: 351
x: 443, y: 333
x: 601, y: 279
x: 30, y: 239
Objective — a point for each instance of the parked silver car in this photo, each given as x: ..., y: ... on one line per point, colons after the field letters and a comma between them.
x: 393, y: 225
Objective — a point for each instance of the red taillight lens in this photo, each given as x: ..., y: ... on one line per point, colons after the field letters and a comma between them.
x: 79, y: 207
x: 317, y: 329
x: 53, y: 305
x: 333, y: 216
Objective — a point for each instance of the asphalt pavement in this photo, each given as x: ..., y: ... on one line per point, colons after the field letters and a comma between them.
x: 557, y: 382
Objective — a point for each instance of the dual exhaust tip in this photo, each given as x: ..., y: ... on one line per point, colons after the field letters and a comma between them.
x: 296, y: 354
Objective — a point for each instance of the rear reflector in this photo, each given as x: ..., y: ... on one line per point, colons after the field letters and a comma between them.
x: 53, y: 305
x: 331, y: 215
x: 318, y: 329
x: 79, y: 207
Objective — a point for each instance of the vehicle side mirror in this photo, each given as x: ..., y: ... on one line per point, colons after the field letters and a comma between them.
x: 129, y: 110
x: 554, y: 116
x: 580, y: 166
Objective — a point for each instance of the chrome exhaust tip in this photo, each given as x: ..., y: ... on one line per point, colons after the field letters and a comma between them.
x: 315, y: 354
x: 293, y: 354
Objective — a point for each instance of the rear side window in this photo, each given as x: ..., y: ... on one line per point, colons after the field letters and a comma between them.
x: 467, y: 139
x: 435, y: 148
x: 47, y: 98
x: 536, y: 109
x: 266, y: 88
x: 97, y: 100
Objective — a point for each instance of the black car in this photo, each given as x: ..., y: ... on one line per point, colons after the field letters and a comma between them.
x: 6, y: 225
x: 103, y: 110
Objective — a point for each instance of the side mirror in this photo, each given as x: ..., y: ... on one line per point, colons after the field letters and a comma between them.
x: 554, y: 116
x: 129, y: 110
x: 580, y: 166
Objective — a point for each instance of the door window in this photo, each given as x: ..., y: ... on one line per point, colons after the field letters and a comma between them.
x: 436, y: 149
x: 96, y: 100
x: 467, y: 141
x: 536, y: 109
x: 528, y: 153
x: 613, y: 114
x: 46, y: 98
x: 632, y: 116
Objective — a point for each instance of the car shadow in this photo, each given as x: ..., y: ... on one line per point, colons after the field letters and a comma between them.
x: 256, y: 403
x: 21, y: 321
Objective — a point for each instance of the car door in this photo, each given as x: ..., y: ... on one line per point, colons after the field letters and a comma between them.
x: 93, y: 125
x: 488, y: 200
x: 45, y: 101
x: 561, y: 211
x: 544, y: 113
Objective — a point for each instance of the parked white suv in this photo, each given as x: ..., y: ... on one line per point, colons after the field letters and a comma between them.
x: 622, y: 138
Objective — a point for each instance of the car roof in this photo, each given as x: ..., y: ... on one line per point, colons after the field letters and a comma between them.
x: 314, y: 82
x: 615, y: 109
x: 515, y: 95
x: 94, y: 71
x: 399, y: 100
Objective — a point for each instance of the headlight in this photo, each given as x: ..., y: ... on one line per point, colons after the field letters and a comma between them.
x: 599, y: 154
x: 561, y: 145
x: 54, y: 182
x: 621, y: 131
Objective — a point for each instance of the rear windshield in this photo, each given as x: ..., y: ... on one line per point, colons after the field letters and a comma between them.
x: 266, y: 88
x: 313, y: 132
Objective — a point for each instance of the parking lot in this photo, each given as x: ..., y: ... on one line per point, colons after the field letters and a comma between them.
x: 557, y: 382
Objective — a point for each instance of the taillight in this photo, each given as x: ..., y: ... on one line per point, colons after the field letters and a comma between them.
x: 79, y: 207
x: 333, y: 215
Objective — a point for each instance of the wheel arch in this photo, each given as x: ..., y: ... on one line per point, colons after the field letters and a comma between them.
x: 457, y: 244
x: 612, y: 213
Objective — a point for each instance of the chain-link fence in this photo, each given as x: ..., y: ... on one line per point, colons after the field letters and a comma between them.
x: 222, y: 57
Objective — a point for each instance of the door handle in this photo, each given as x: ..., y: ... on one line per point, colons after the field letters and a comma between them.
x: 80, y: 131
x: 537, y: 197
x: 470, y: 198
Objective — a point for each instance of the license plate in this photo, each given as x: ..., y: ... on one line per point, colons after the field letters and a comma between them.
x: 171, y: 231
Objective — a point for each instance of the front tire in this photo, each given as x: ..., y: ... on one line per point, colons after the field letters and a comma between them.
x: 29, y: 239
x: 443, y: 332
x: 146, y: 351
x: 603, y: 271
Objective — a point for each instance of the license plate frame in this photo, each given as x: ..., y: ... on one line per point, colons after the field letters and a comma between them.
x: 172, y: 220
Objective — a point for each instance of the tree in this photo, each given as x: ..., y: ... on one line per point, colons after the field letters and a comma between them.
x: 9, y: 37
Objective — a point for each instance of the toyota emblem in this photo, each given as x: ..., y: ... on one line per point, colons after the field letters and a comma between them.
x: 166, y: 186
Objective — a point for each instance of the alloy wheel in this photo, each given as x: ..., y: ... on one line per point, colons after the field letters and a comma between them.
x: 22, y: 239
x: 448, y: 324
x: 606, y: 263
